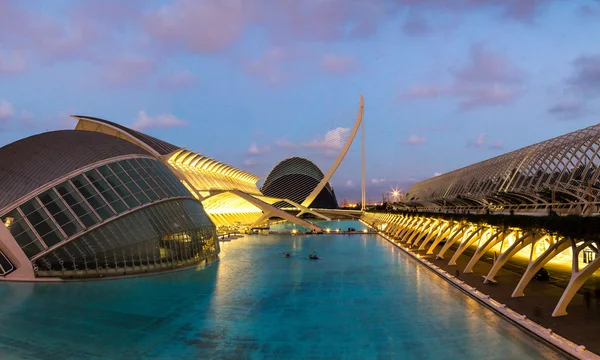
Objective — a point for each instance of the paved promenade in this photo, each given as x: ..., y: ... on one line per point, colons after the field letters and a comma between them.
x: 581, y: 325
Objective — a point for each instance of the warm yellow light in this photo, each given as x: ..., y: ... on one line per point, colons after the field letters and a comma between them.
x: 294, y: 231
x: 337, y: 230
x: 365, y: 230
x: 8, y: 221
x: 328, y: 230
x: 395, y: 194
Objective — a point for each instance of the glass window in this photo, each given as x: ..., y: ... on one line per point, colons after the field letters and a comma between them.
x: 91, y: 195
x: 80, y: 208
x: 137, y: 192
x: 60, y: 213
x: 22, y: 233
x: 150, y: 179
x: 5, y: 265
x: 129, y: 167
x: 41, y: 222
x: 119, y: 187
x: 149, y: 166
x: 106, y: 191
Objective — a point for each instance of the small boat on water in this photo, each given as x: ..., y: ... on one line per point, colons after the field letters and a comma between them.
x: 314, y: 256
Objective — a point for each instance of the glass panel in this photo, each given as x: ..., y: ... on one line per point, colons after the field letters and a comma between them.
x: 141, y: 168
x: 91, y: 195
x: 139, y: 195
x: 118, y: 186
x: 158, y: 237
x: 22, y: 233
x: 105, y: 190
x: 151, y: 170
x: 5, y: 265
x: 41, y: 222
x: 79, y: 207
x: 130, y: 169
x: 60, y: 213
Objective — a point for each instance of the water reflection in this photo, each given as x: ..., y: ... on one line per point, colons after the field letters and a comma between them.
x: 364, y: 300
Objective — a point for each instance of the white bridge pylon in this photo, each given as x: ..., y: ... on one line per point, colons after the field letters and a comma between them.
x: 317, y: 190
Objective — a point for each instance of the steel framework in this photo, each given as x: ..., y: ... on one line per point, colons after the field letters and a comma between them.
x: 559, y: 174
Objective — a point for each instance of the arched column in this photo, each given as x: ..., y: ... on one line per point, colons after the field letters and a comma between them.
x: 418, y: 232
x: 528, y: 238
x: 451, y: 241
x: 578, y: 278
x: 475, y: 235
x: 452, y: 231
x: 432, y: 231
x: 535, y: 266
x: 499, y: 236
x: 444, y: 226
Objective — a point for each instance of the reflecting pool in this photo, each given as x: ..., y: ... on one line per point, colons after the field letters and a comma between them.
x: 363, y: 300
x: 333, y: 225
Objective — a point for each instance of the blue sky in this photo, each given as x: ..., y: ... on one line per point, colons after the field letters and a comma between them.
x: 446, y: 83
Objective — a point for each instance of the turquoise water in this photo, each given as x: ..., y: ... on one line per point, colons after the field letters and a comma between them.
x: 363, y: 300
x: 343, y: 225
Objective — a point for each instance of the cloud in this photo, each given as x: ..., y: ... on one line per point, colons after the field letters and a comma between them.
x: 587, y: 74
x: 6, y: 110
x: 497, y: 145
x: 416, y: 25
x: 338, y: 64
x: 377, y: 181
x: 198, y: 26
x: 567, y: 109
x: 479, y: 141
x: 250, y: 162
x: 435, y: 174
x: 416, y: 139
x: 178, y: 80
x: 333, y: 140
x: 13, y: 63
x: 275, y: 65
x: 144, y: 122
x: 285, y: 143
x: 127, y: 71
x: 488, y: 79
x: 349, y: 183
x: 255, y: 150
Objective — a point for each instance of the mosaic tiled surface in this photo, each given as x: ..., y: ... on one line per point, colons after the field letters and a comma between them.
x: 363, y: 300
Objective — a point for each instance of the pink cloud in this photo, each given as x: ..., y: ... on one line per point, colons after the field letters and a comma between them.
x: 487, y: 67
x: 178, y: 80
x: 144, y: 121
x: 285, y: 143
x: 479, y: 141
x: 276, y: 65
x: 13, y: 62
x: 198, y: 26
x: 6, y: 110
x: 338, y: 64
x: 497, y: 145
x: 250, y: 162
x: 488, y: 79
x: 256, y: 150
x: 127, y: 71
x: 416, y: 139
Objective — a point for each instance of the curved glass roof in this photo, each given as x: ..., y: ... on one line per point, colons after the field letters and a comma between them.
x: 30, y: 163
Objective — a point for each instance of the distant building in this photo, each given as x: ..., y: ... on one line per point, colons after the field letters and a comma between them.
x: 294, y: 179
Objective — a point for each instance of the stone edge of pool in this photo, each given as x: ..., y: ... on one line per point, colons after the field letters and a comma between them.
x: 538, y: 331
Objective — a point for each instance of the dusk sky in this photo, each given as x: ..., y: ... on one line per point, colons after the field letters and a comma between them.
x: 249, y: 82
